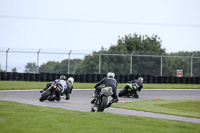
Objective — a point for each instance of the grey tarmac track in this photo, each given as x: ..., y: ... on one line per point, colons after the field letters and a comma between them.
x: 80, y: 101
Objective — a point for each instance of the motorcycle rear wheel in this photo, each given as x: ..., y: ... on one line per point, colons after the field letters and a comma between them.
x: 44, y: 96
x: 103, y: 103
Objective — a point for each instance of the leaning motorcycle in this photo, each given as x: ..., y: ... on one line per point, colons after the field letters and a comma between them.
x: 50, y: 93
x: 102, y: 99
x: 130, y: 90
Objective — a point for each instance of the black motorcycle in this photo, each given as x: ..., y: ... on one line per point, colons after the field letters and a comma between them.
x: 51, y: 93
x: 130, y: 90
x: 102, y: 99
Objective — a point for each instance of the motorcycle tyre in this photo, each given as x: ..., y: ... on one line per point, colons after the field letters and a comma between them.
x: 103, y: 104
x: 44, y: 96
x: 122, y: 93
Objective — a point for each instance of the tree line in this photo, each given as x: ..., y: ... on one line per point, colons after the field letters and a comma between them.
x: 119, y: 59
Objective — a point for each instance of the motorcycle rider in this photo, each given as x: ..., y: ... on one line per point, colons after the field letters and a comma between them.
x: 70, y: 86
x: 66, y: 86
x: 138, y: 83
x: 108, y: 81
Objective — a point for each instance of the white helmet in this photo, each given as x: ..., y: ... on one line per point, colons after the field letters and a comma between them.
x: 141, y: 79
x: 71, y: 80
x: 110, y: 75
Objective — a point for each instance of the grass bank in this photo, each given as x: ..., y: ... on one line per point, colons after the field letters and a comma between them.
x: 171, y: 107
x: 25, y: 85
x: 23, y: 118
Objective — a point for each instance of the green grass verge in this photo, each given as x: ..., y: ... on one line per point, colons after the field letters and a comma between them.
x: 24, y: 118
x: 25, y: 85
x: 172, y: 107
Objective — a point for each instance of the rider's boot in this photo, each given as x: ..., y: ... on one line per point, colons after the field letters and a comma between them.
x: 94, y: 98
x: 43, y: 90
x: 57, y: 98
x: 92, y: 108
x: 67, y: 97
x: 67, y: 92
x: 114, y: 100
x: 136, y: 94
x: 109, y: 104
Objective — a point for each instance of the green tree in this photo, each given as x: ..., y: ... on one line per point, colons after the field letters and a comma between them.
x: 1, y: 69
x: 120, y: 63
x: 50, y: 67
x: 31, y: 68
x: 117, y: 59
x: 181, y: 61
x: 60, y: 67
x: 88, y: 65
x: 14, y: 69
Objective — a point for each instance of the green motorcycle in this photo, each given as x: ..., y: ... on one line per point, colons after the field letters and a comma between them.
x: 130, y: 90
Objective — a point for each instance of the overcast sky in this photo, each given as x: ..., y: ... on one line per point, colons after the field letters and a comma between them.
x: 91, y: 24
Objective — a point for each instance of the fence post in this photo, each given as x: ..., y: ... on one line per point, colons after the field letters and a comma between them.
x: 7, y: 58
x: 38, y: 60
x: 131, y: 63
x: 100, y: 63
x: 161, y: 64
x: 69, y: 61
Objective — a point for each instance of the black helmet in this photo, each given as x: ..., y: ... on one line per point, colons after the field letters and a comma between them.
x: 63, y: 77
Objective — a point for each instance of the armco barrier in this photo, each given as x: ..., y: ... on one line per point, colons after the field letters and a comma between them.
x: 94, y: 78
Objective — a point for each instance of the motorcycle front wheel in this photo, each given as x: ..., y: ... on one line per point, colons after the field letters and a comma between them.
x: 103, y: 103
x: 44, y: 96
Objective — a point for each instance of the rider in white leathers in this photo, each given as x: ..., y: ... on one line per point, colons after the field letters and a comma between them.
x: 66, y: 87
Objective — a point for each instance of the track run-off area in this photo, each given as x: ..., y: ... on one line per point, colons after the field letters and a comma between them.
x: 80, y: 101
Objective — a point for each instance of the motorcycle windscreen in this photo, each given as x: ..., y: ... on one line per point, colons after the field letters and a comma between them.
x: 107, y: 91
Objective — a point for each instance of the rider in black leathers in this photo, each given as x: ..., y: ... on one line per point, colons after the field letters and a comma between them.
x: 108, y: 81
x: 138, y: 82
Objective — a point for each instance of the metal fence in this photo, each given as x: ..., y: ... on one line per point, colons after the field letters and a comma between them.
x: 128, y: 63
x: 160, y: 64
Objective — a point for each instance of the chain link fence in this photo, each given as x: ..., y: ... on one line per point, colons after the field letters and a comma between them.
x: 160, y: 64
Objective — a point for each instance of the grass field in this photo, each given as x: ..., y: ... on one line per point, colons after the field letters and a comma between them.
x: 171, y: 107
x: 24, y: 118
x: 25, y: 85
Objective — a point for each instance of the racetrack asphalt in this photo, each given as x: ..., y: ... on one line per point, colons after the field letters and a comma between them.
x: 80, y: 101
